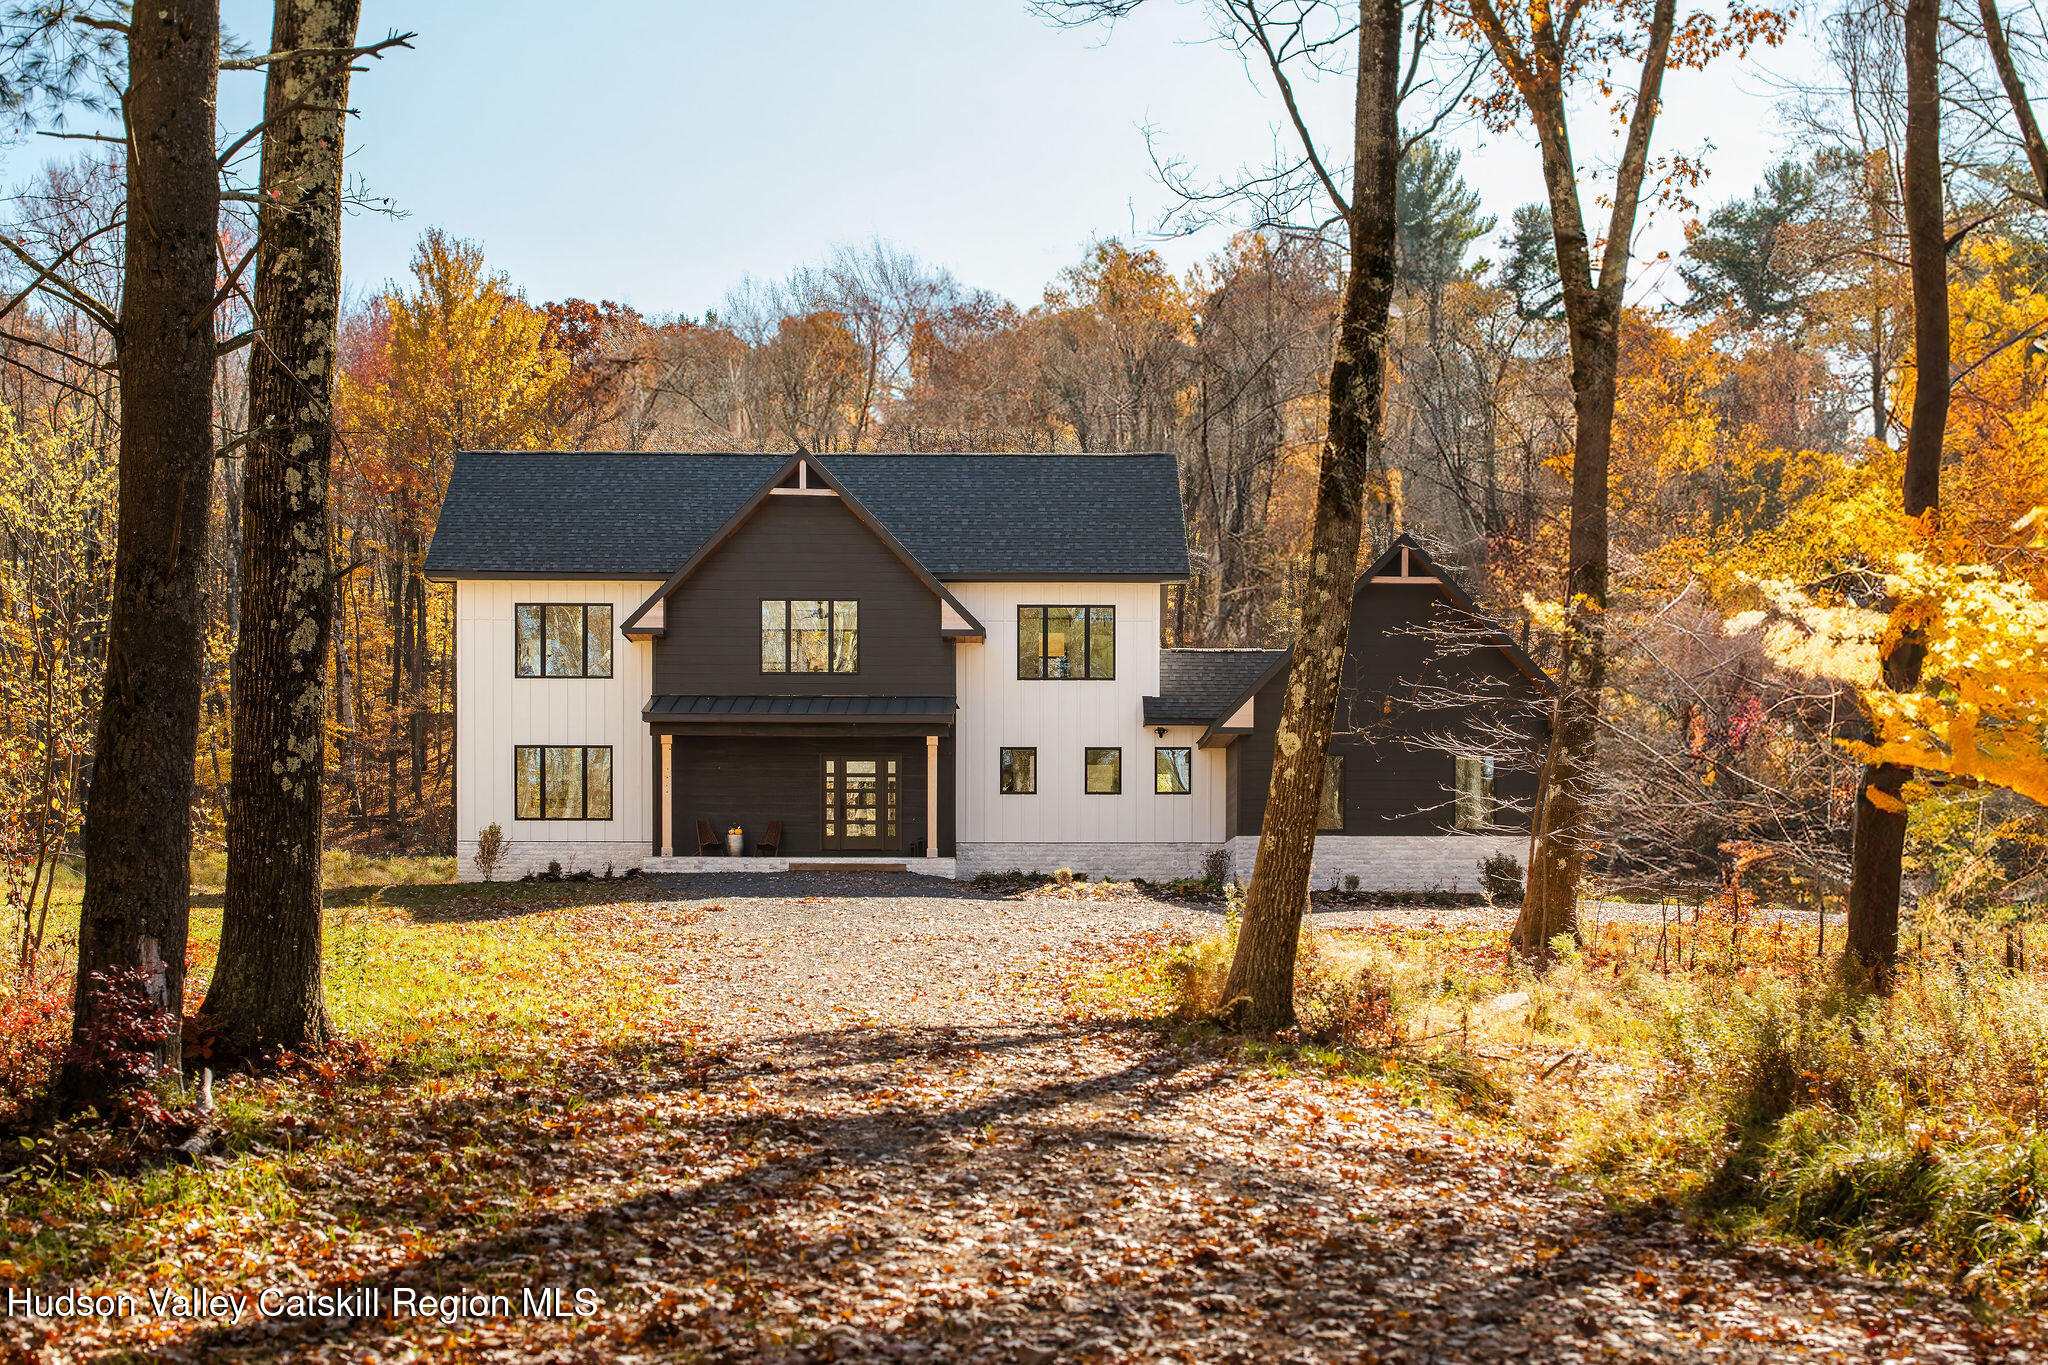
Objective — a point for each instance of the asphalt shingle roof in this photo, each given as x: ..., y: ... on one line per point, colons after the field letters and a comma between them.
x: 630, y: 515
x: 1196, y: 686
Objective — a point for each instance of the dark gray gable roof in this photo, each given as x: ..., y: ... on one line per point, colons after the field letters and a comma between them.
x: 598, y: 514
x: 1201, y: 686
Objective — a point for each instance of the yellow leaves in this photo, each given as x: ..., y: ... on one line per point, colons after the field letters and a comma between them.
x: 1544, y: 615
x: 1981, y: 711
x: 1838, y: 642
x: 1884, y: 800
x: 466, y: 364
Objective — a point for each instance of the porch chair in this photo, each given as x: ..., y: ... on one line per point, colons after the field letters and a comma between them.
x: 771, y: 840
x: 707, y: 840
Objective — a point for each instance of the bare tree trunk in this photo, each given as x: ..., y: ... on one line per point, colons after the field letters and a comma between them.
x: 1880, y: 822
x: 1593, y: 308
x: 2016, y: 92
x: 268, y: 991
x: 138, y: 821
x: 1260, y: 990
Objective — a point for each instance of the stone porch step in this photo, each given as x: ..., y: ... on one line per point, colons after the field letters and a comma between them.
x: 928, y: 867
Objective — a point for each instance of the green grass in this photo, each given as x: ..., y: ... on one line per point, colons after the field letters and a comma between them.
x: 475, y: 1016
x: 340, y: 869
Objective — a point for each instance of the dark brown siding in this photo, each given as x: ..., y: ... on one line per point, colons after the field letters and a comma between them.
x: 1392, y: 785
x: 804, y: 548
x: 752, y: 781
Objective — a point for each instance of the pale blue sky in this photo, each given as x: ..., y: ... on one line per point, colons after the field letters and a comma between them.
x: 655, y: 151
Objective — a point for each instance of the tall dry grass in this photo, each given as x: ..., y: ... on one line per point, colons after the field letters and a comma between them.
x: 1730, y: 1066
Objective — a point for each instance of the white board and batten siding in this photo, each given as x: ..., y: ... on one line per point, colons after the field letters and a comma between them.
x: 1062, y: 824
x: 497, y: 710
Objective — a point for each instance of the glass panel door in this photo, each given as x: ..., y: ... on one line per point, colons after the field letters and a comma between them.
x: 862, y: 800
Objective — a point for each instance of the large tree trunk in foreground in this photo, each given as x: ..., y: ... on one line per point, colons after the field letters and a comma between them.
x: 1880, y: 833
x: 1260, y: 991
x: 267, y: 990
x: 1560, y: 832
x: 138, y: 823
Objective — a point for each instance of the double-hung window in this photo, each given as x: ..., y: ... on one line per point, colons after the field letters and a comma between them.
x: 563, y: 639
x: 562, y: 782
x: 810, y: 636
x: 1066, y: 642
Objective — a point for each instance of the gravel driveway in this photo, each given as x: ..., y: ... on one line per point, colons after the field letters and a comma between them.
x: 923, y: 1157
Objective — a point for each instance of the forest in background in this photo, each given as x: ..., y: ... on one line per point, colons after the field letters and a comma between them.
x: 1757, y: 448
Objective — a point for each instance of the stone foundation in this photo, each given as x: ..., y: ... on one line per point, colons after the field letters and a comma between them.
x: 1393, y: 862
x: 1381, y: 862
x: 524, y: 856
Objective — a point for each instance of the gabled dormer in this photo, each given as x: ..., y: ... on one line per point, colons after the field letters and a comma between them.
x: 803, y: 591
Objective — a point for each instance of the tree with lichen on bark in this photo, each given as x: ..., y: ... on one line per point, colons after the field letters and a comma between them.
x: 267, y: 991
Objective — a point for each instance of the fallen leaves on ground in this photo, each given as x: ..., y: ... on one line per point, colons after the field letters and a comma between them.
x: 866, y: 1119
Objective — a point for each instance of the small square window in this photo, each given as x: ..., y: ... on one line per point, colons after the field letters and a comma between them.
x: 1019, y: 772
x: 1173, y: 771
x: 1105, y: 772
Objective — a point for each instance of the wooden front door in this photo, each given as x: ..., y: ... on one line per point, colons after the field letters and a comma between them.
x: 863, y: 804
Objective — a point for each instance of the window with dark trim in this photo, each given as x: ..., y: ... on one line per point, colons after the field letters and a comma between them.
x: 1105, y: 772
x: 1173, y: 771
x: 1472, y: 781
x: 1066, y: 642
x: 561, y: 782
x: 562, y: 639
x: 1018, y: 772
x: 1330, y: 811
x: 810, y: 636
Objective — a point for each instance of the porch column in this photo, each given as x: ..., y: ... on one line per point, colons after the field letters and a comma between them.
x: 931, y: 796
x: 668, y: 796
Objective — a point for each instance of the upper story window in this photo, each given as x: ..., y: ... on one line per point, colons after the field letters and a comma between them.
x: 563, y: 639
x: 1066, y: 642
x: 810, y: 637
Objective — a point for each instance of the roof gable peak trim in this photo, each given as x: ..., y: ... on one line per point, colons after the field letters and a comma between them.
x: 803, y: 466
x: 802, y: 487
x: 1417, y: 568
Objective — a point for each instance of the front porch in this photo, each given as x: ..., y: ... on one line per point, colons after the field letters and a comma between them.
x: 828, y: 782
x: 929, y: 867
